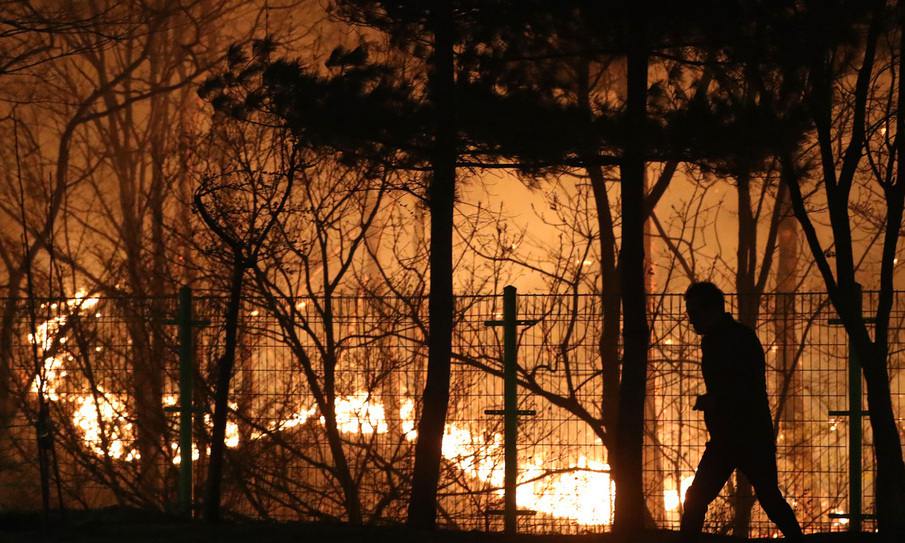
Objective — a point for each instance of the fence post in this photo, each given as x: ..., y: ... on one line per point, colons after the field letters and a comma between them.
x: 855, y: 414
x: 510, y: 409
x: 185, y: 322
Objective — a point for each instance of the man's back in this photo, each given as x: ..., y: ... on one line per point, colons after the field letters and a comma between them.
x: 734, y: 373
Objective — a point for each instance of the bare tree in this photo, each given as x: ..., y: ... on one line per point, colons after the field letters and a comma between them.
x: 335, y: 210
x: 240, y: 200
x: 839, y: 170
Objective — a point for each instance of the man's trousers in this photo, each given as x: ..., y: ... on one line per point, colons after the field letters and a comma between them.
x: 758, y: 463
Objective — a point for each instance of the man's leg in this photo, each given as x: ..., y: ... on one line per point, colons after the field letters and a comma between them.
x: 713, y: 470
x: 760, y: 467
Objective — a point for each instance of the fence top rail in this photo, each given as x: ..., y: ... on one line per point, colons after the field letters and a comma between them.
x: 208, y: 294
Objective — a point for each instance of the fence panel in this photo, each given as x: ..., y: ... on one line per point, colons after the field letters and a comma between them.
x: 110, y: 366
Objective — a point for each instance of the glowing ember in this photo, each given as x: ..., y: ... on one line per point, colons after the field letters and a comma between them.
x: 177, y: 458
x: 46, y: 331
x: 231, y: 439
x: 479, y: 457
x: 840, y: 521
x: 298, y: 418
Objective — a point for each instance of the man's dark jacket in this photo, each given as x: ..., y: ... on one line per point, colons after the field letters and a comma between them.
x: 733, y: 365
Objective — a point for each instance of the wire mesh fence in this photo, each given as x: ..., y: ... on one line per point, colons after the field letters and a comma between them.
x: 326, y: 395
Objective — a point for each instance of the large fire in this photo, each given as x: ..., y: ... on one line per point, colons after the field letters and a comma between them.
x: 580, y: 489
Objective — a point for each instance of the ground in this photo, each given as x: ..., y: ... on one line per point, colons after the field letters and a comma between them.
x: 117, y: 526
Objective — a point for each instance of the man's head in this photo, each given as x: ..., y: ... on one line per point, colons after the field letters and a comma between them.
x: 705, y: 306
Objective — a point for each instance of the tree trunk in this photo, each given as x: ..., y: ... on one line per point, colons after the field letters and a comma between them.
x: 610, y: 298
x: 221, y: 395
x: 611, y: 308
x: 890, y: 475
x: 422, y: 510
x: 748, y: 309
x: 334, y: 440
x: 149, y: 419
x: 789, y: 383
x: 654, y: 461
x: 630, y: 506
x: 160, y: 112
x: 341, y: 465
x: 8, y: 403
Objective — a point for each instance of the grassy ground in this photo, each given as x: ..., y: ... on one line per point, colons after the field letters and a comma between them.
x: 116, y: 526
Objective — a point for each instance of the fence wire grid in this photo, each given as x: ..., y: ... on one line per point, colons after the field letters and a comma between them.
x: 110, y: 373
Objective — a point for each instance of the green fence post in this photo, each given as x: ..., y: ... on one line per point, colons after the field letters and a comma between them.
x: 855, y: 414
x: 510, y: 408
x: 185, y: 322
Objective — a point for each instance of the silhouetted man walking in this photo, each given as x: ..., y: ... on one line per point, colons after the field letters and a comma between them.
x: 736, y: 412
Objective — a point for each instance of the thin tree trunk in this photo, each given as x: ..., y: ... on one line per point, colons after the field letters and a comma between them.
x: 422, y: 510
x: 611, y: 308
x: 8, y: 404
x: 789, y: 380
x: 890, y: 476
x: 654, y: 461
x: 221, y: 395
x: 610, y: 298
x: 341, y: 464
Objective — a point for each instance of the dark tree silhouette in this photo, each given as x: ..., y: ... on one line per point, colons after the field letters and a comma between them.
x: 636, y: 331
x: 422, y: 511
